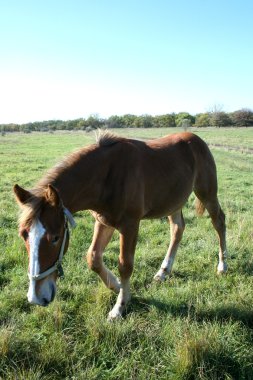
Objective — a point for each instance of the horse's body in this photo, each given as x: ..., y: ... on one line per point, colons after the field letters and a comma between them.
x: 122, y: 181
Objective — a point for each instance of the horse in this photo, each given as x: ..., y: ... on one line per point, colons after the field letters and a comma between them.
x: 121, y: 181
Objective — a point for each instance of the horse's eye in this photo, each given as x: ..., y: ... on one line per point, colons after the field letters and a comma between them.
x: 24, y: 234
x: 55, y: 239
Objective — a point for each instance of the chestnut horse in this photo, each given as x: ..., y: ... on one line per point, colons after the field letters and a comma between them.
x: 121, y: 181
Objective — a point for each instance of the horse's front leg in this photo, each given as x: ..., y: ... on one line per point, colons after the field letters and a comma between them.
x: 128, y: 239
x: 176, y: 231
x: 101, y: 237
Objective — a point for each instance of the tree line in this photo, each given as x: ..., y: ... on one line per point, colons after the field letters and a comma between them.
x: 215, y: 118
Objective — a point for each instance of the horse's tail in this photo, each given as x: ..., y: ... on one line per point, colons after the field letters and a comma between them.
x: 199, y: 207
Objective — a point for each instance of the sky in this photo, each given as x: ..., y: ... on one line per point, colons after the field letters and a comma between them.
x: 65, y: 60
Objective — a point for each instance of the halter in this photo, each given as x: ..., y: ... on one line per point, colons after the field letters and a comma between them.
x: 58, y: 264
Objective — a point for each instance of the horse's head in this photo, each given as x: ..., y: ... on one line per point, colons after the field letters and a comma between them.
x: 44, y: 228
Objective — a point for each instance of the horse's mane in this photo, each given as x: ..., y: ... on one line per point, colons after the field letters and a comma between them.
x: 31, y: 210
x: 103, y: 138
x: 106, y: 138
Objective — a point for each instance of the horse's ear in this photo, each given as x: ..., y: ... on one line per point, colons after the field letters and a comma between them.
x: 22, y: 196
x: 52, y: 196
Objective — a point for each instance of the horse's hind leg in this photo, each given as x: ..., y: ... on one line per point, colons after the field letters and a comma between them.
x: 176, y: 231
x: 101, y: 237
x: 218, y: 220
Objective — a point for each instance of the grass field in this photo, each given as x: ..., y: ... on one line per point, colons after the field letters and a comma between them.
x: 194, y: 326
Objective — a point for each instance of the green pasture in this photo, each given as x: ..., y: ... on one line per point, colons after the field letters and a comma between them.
x: 194, y: 326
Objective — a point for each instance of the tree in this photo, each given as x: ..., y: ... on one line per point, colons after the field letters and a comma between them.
x: 129, y: 120
x: 144, y: 121
x: 220, y: 119
x: 94, y: 122
x: 242, y: 118
x: 114, y: 122
x: 80, y: 124
x: 183, y: 116
x: 164, y: 121
x: 202, y: 120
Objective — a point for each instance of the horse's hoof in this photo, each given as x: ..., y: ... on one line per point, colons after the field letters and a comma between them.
x: 222, y: 268
x: 114, y: 315
x: 160, y: 276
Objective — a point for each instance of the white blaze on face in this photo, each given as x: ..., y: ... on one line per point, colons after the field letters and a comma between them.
x: 36, y: 233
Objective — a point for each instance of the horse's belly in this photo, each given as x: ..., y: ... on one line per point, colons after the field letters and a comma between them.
x: 164, y: 206
x: 163, y: 211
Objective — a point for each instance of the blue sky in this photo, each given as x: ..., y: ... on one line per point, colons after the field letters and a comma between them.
x: 69, y: 59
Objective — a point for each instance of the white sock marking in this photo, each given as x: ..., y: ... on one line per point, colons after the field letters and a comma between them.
x: 167, y: 264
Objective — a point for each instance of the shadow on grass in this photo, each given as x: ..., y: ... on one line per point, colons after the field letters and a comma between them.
x: 220, y: 314
x: 245, y: 263
x: 200, y: 362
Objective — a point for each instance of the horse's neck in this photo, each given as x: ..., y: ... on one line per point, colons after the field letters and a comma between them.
x: 80, y: 187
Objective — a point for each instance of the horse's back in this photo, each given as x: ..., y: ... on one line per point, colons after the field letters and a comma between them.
x: 185, y: 145
x: 174, y: 166
x: 205, y: 175
x: 169, y: 172
x: 176, y: 139
x: 178, y: 150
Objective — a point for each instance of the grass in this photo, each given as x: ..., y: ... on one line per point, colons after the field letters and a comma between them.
x: 194, y: 326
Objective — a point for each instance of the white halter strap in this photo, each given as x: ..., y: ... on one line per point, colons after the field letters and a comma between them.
x: 69, y: 217
x: 57, y: 265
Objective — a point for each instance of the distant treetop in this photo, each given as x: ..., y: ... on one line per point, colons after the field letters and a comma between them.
x: 215, y: 118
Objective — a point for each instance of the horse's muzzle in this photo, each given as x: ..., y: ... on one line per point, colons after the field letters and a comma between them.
x: 46, y: 295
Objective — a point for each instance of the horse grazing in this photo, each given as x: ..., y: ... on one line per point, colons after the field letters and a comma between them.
x: 121, y: 181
